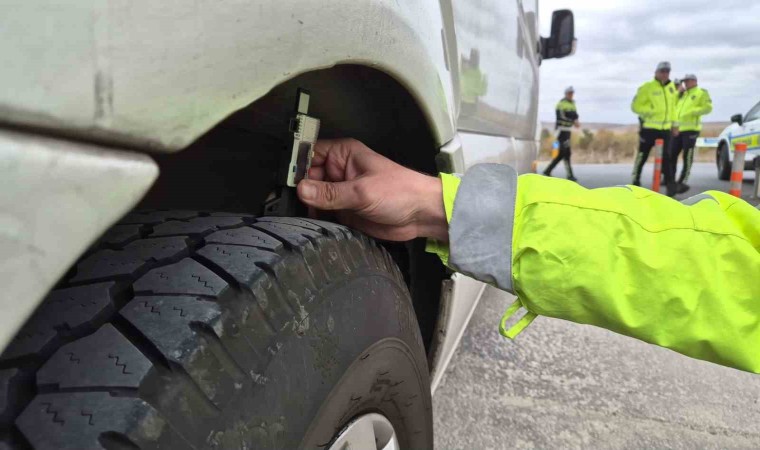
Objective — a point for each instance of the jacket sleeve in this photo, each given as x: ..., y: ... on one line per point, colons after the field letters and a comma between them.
x: 679, y: 275
x: 705, y: 104
x: 640, y: 104
x: 700, y: 107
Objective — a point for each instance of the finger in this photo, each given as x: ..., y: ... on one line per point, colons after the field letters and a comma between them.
x: 324, y: 147
x: 317, y: 173
x: 329, y: 196
x: 321, y: 150
x: 329, y: 157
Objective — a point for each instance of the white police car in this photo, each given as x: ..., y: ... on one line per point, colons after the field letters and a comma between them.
x: 744, y: 129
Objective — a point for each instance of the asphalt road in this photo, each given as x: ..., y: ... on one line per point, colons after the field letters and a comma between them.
x: 562, y: 385
x: 703, y: 177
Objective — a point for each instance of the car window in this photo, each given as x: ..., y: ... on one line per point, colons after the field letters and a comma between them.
x: 753, y: 114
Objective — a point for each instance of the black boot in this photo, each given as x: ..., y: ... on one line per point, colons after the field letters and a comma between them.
x: 682, y: 187
x: 672, y: 189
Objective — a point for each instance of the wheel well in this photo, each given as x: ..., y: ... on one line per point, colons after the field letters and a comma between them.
x: 234, y: 166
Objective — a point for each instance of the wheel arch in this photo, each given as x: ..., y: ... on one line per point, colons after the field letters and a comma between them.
x: 233, y: 166
x: 350, y: 100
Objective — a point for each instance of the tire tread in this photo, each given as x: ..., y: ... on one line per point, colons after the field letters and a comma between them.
x: 167, y: 307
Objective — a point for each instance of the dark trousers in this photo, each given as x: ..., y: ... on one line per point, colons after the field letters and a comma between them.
x: 647, y: 138
x: 564, y: 154
x: 685, y: 141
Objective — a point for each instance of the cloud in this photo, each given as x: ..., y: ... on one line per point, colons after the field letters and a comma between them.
x: 620, y: 43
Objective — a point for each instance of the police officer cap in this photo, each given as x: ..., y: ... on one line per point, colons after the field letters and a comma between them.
x: 689, y: 76
x: 664, y: 65
x: 569, y: 89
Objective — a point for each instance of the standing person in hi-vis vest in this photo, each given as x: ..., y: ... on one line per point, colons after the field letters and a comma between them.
x: 693, y: 103
x: 567, y: 118
x: 655, y: 104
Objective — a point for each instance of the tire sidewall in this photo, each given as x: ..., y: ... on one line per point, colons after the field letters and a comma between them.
x: 360, y: 351
x: 724, y: 167
x: 385, y: 379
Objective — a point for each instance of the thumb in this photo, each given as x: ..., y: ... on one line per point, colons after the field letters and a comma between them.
x: 325, y: 195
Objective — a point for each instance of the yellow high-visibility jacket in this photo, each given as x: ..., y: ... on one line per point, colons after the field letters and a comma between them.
x: 655, y: 104
x: 692, y: 105
x: 685, y: 276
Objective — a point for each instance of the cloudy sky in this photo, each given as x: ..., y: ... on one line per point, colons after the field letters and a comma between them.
x: 621, y: 41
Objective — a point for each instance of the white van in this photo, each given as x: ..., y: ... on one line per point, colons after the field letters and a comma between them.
x: 160, y: 286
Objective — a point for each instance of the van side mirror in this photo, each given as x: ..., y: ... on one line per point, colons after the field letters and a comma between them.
x: 562, y: 41
x: 737, y: 118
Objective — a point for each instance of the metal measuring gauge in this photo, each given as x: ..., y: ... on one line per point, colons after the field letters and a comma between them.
x: 305, y: 131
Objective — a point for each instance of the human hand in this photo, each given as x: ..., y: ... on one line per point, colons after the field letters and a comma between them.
x: 577, y: 124
x: 372, y: 193
x: 674, y: 131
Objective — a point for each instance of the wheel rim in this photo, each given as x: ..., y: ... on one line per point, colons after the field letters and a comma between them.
x: 368, y: 432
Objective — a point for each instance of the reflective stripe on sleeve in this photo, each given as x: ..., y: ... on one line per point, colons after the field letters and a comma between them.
x: 480, y: 231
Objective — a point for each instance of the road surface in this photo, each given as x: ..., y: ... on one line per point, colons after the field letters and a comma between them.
x: 562, y: 385
x: 703, y: 177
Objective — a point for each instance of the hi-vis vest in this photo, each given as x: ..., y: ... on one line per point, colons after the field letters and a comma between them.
x: 567, y: 114
x: 655, y: 104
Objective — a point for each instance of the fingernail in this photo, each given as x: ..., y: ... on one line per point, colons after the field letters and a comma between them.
x: 308, y: 190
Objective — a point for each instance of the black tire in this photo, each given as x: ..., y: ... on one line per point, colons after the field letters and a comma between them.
x: 186, y: 330
x: 724, y: 165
